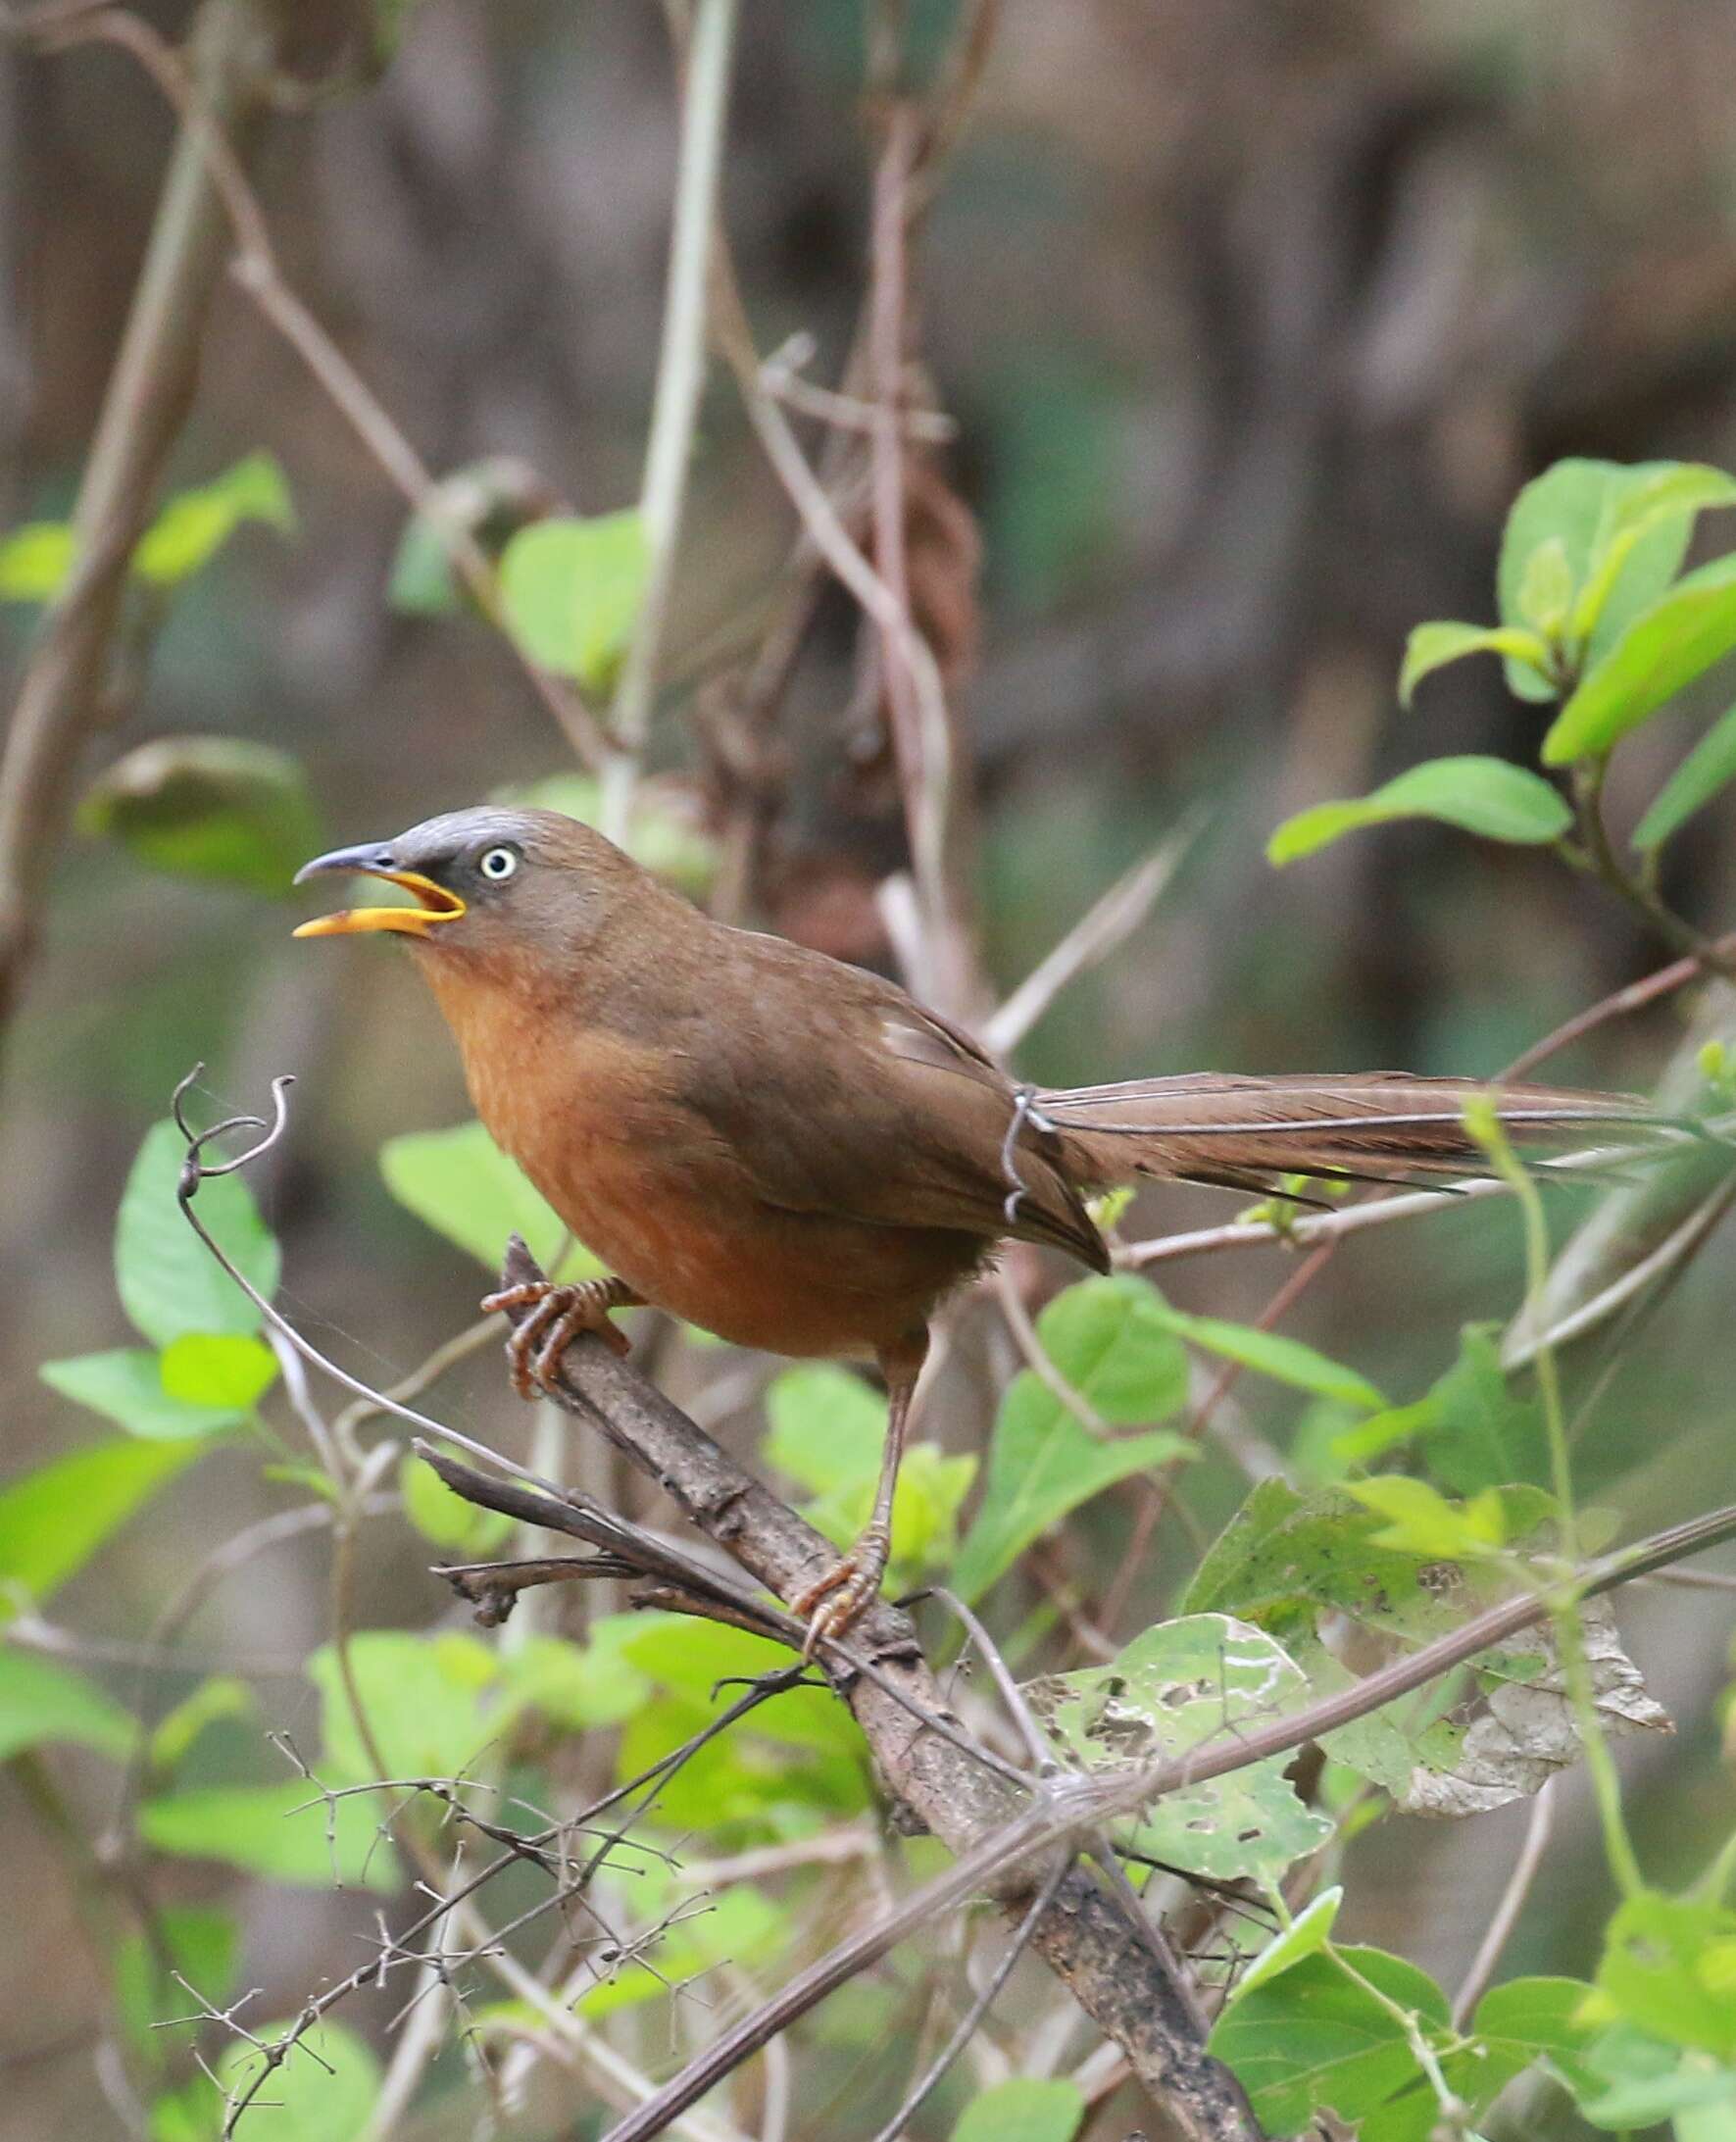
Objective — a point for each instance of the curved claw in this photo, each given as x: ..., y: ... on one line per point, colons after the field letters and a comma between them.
x: 836, y: 1601
x: 557, y: 1316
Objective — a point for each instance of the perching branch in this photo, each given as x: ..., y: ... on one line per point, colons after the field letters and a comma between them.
x: 1088, y: 1937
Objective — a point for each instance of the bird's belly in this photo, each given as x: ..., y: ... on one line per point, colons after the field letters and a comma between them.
x: 673, y: 1210
x: 788, y: 1282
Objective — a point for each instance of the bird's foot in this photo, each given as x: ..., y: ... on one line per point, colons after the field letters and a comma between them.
x: 836, y: 1601
x: 558, y: 1315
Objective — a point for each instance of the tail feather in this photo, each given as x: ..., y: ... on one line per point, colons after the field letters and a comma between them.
x: 1244, y: 1132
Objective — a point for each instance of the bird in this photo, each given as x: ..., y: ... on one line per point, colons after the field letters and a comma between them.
x: 793, y: 1153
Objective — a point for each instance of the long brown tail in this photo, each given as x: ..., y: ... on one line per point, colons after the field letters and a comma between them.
x: 1243, y: 1133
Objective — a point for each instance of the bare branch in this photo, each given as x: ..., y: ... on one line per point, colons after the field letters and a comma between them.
x: 64, y: 700
x: 680, y: 378
x: 1093, y: 937
x: 972, y: 2021
x: 256, y: 271
x: 1479, y: 1978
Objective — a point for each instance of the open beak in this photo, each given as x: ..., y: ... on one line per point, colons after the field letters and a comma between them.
x: 433, y: 903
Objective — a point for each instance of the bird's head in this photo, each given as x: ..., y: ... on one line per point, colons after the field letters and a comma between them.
x: 482, y: 884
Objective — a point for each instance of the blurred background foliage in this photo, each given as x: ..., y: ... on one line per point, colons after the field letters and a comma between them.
x: 1253, y: 317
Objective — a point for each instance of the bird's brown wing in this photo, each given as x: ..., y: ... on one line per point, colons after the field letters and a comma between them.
x: 842, y: 1095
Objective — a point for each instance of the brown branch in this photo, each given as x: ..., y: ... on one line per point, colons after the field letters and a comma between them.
x: 1089, y: 1937
x: 1076, y: 1807
x: 64, y: 700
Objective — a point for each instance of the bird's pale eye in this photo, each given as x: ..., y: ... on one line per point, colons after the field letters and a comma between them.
x: 498, y: 863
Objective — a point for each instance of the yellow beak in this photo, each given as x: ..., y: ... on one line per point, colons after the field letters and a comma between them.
x: 433, y: 903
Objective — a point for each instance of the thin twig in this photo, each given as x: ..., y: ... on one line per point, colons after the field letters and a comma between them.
x: 1308, y: 1230
x: 1487, y: 1960
x: 62, y: 699
x: 972, y: 2021
x: 680, y: 377
x: 1107, y: 924
x: 1633, y: 997
x: 255, y: 271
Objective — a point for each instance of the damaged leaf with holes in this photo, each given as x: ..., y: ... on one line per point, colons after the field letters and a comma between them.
x: 1320, y: 1574
x: 1182, y: 1686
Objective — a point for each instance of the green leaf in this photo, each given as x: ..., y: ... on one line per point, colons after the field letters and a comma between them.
x: 793, y: 1764
x: 195, y: 524
x: 1174, y: 1688
x: 1527, y: 2019
x: 1313, y: 2039
x: 693, y: 1660
x: 461, y: 1184
x: 219, y: 1696
x: 41, y: 1702
x: 1630, y: 2079
x: 1422, y: 1521
x: 201, y: 1945
x: 1682, y: 635
x: 827, y: 1427
x: 1485, y: 796
x: 1366, y: 1440
x: 571, y: 591
x: 926, y: 1503
x: 1111, y: 1340
x: 445, y: 1518
x: 1270, y: 1354
x: 578, y: 1687
x: 326, y: 2088
x: 34, y: 561
x: 1285, y: 1561
x: 1709, y: 766
x: 490, y: 500
x: 53, y: 1519
x: 1304, y: 1936
x: 1647, y: 515
x: 1027, y: 2109
x: 1669, y: 1967
x: 217, y: 807
x: 1546, y: 589
x: 1431, y: 647
x: 1477, y: 1430
x: 221, y: 1369
x: 827, y: 1432
x: 279, y: 1831
x: 1625, y: 530
x: 427, y: 1700
x: 126, y: 1386
x: 169, y: 1283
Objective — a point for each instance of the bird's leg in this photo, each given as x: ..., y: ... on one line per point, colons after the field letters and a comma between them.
x: 557, y: 1313
x: 838, y: 1598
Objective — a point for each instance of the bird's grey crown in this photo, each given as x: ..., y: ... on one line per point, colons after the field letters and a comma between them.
x: 456, y: 833
x: 457, y: 837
